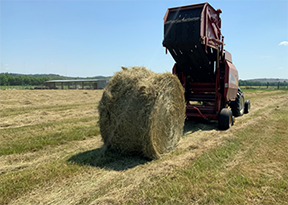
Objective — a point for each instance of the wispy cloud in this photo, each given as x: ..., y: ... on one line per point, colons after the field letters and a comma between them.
x: 283, y: 43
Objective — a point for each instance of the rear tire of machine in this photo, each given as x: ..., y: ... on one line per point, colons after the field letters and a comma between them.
x: 237, y: 106
x: 225, y: 119
x: 247, y: 106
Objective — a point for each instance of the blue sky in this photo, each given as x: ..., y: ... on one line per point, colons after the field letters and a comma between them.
x: 89, y: 38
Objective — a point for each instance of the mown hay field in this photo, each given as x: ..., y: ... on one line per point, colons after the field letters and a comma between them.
x: 51, y: 153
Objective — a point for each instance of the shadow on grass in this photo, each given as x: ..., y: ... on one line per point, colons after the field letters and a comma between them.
x: 194, y: 125
x: 108, y: 159
x: 113, y: 160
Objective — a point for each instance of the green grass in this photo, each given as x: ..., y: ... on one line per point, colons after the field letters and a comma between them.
x: 15, y: 184
x: 35, y: 137
x: 56, y: 126
x: 23, y: 110
x: 249, y: 168
x: 34, y: 143
x: 17, y: 177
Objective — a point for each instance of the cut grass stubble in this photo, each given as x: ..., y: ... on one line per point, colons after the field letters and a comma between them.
x: 249, y: 168
x: 19, y: 140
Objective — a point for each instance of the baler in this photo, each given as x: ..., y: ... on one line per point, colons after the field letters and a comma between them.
x: 192, y: 35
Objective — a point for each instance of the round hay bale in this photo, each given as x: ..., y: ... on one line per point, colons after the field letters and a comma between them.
x: 142, y: 112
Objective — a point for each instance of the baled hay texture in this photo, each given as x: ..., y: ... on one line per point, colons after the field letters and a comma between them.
x: 142, y: 112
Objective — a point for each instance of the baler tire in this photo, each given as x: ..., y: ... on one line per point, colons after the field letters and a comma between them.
x: 247, y: 106
x: 225, y: 119
x: 237, y: 106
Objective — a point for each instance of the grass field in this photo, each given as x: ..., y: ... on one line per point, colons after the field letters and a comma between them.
x: 51, y: 153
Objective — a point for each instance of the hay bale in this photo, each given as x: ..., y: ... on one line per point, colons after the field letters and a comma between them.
x: 142, y: 112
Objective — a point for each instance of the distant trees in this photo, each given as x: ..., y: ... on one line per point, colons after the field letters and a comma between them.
x: 6, y: 80
x: 256, y: 83
x: 3, y: 79
x: 251, y: 83
x: 12, y: 79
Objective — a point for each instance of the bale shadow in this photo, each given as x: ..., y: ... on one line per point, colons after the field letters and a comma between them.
x: 194, y: 125
x: 108, y: 159
x: 113, y: 160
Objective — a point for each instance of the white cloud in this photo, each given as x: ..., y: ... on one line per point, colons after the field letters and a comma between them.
x: 283, y: 43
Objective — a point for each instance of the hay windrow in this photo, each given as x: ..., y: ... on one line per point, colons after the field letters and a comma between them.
x: 142, y: 112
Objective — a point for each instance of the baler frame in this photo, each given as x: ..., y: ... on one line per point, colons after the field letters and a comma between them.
x: 192, y: 34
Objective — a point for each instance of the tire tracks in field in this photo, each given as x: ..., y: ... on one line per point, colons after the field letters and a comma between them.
x: 103, y: 186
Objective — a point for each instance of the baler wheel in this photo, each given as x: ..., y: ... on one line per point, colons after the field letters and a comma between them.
x: 237, y: 106
x: 225, y: 119
x: 247, y: 106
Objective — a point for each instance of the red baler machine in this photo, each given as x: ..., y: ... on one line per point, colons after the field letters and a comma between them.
x: 192, y: 34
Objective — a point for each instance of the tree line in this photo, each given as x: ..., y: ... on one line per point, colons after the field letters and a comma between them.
x: 257, y: 83
x: 7, y: 80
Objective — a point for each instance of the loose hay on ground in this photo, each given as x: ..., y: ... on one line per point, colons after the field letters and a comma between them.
x: 142, y: 112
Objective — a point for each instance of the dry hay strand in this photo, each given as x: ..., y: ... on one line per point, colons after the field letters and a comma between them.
x: 142, y: 112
